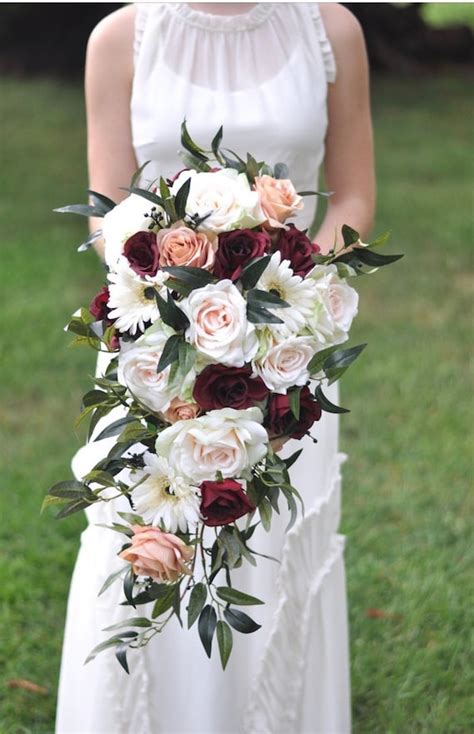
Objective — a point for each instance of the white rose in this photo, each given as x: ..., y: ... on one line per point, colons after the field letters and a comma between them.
x: 285, y: 363
x: 219, y: 328
x: 137, y: 365
x: 227, y: 441
x: 123, y: 221
x: 225, y: 193
x: 335, y: 305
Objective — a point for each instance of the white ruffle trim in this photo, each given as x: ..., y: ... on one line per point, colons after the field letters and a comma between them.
x: 311, y: 550
x: 325, y: 44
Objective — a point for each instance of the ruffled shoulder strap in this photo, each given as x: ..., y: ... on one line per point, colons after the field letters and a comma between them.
x: 141, y: 13
x: 324, y: 42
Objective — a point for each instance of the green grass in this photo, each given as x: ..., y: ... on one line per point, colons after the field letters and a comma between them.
x: 444, y: 14
x: 406, y: 504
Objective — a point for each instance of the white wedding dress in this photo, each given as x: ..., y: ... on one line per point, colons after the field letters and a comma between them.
x: 264, y: 76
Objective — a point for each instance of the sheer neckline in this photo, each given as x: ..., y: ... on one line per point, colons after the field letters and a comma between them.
x: 214, y: 22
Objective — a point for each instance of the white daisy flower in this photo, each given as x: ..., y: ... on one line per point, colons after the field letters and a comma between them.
x: 131, y: 300
x: 279, y: 278
x: 165, y: 498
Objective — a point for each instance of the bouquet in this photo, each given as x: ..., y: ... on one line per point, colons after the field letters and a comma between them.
x: 224, y: 323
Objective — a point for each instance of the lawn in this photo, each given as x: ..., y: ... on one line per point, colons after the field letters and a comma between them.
x: 407, y: 508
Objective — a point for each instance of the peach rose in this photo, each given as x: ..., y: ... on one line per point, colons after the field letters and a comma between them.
x: 157, y: 554
x: 180, y: 245
x: 180, y: 410
x: 278, y: 199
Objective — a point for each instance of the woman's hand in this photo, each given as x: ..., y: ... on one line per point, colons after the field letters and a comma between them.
x: 349, y: 159
x: 278, y: 443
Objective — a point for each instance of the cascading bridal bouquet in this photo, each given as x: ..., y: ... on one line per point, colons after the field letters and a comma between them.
x: 224, y: 323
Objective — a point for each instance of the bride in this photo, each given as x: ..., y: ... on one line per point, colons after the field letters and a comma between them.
x: 289, y: 82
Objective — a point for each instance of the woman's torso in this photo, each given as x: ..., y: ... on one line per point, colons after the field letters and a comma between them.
x: 262, y: 75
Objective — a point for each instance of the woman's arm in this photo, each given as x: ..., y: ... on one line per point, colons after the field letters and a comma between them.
x: 108, y: 85
x: 349, y: 159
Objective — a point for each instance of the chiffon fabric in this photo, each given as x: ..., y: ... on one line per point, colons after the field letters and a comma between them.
x: 264, y: 76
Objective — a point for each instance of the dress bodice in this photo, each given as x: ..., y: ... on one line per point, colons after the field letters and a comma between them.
x: 262, y: 74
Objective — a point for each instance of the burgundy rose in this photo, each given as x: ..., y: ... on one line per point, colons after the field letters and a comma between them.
x: 236, y: 249
x: 98, y: 306
x: 296, y: 247
x: 141, y: 251
x: 281, y: 421
x: 223, y: 502
x: 228, y: 387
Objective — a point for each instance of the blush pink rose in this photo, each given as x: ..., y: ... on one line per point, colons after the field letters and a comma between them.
x: 180, y: 410
x: 160, y: 555
x: 180, y: 245
x: 278, y: 199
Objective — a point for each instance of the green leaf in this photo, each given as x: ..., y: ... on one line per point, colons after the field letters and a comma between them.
x: 241, y: 621
x: 49, y: 500
x: 325, y: 404
x: 260, y: 315
x: 231, y: 546
x: 137, y: 174
x: 110, y: 579
x: 338, y: 362
x: 87, y: 244
x: 188, y: 143
x: 84, y: 210
x: 191, y: 161
x: 69, y: 488
x: 171, y: 313
x: 206, y: 627
x: 380, y: 240
x: 233, y: 596
x: 132, y: 622
x: 177, y: 603
x: 316, y: 363
x: 349, y: 235
x: 294, y: 401
x: 94, y: 397
x: 291, y: 506
x: 186, y: 358
x: 252, y: 168
x: 164, y: 601
x: 181, y: 199
x: 71, y: 508
x: 281, y: 170
x: 164, y: 189
x: 170, y: 352
x: 224, y: 640
x: 193, y: 277
x: 291, y: 459
x: 236, y: 164
x: 315, y: 193
x: 128, y: 585
x: 121, y: 655
x: 101, y: 202
x: 265, y: 510
x: 216, y: 141
x: 252, y: 272
x: 266, y: 299
x: 111, y: 642
x: 197, y: 600
x: 145, y: 194
x: 116, y: 427
x: 374, y: 259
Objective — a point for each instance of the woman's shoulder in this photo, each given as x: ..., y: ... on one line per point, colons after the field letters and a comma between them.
x: 345, y: 35
x: 341, y: 25
x: 110, y: 44
x: 114, y: 34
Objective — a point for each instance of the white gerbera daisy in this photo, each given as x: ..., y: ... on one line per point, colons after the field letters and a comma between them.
x: 279, y: 278
x: 131, y: 299
x: 165, y: 498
